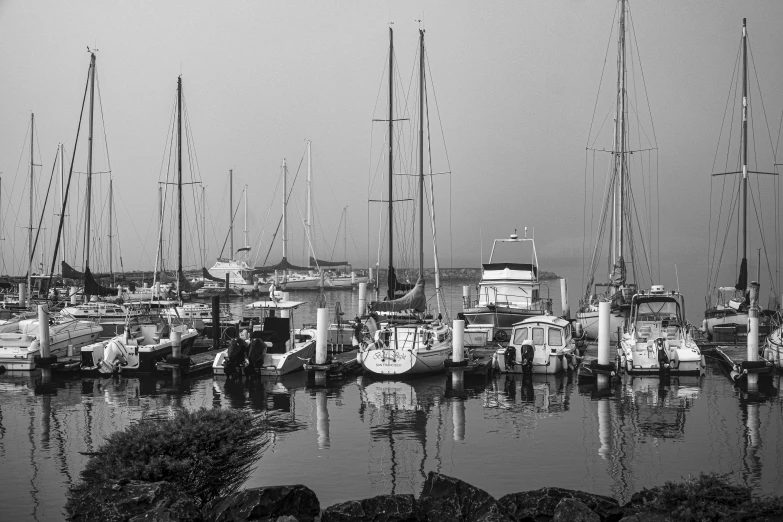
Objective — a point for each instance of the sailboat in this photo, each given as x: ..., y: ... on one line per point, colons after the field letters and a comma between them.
x: 240, y: 275
x: 726, y: 317
x: 407, y: 347
x: 143, y: 343
x: 619, y: 211
x: 346, y: 278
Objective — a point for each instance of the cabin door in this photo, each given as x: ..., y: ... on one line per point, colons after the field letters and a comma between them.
x: 538, y: 336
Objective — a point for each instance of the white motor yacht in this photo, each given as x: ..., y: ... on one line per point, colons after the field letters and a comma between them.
x: 657, y: 338
x: 285, y: 350
x: 542, y: 344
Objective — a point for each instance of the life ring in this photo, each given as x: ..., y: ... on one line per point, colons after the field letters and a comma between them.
x: 501, y: 336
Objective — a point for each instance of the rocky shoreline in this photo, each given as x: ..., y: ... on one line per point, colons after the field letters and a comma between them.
x: 442, y: 499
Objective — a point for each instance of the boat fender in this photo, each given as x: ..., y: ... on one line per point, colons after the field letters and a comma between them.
x: 703, y: 328
x: 753, y: 365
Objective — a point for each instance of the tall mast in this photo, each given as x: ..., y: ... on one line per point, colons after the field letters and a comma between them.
x: 744, y: 145
x: 89, y: 160
x: 391, y: 162
x: 345, y: 234
x: 618, y: 210
x: 203, y: 228
x: 285, y: 205
x: 179, y: 183
x: 62, y: 190
x: 30, y: 228
x: 245, y: 231
x: 421, y: 153
x: 310, y: 201
x: 160, y: 227
x: 231, y: 211
x: 111, y: 213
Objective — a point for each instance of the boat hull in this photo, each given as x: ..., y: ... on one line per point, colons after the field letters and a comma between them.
x: 387, y: 362
x: 638, y: 359
x: 22, y: 358
x: 589, y: 320
x: 346, y: 282
x: 501, y: 318
x: 274, y: 364
x: 141, y: 359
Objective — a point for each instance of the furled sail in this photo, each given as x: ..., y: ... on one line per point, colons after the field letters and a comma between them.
x: 395, y: 288
x: 209, y: 277
x: 413, y: 300
x: 742, y: 283
x: 618, y: 275
x: 321, y: 263
x: 282, y: 265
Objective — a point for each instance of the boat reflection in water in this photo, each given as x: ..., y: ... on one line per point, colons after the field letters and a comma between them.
x: 538, y: 394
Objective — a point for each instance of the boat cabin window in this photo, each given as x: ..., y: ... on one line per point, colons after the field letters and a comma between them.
x: 520, y: 335
x: 555, y: 337
x: 538, y: 336
x: 657, y: 311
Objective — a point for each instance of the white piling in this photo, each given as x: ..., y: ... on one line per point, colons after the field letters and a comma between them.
x: 458, y: 419
x: 176, y: 344
x: 466, y: 296
x: 353, y: 278
x: 156, y: 292
x: 22, y: 294
x: 322, y: 330
x: 458, y: 341
x: 564, y: 299
x: 753, y: 331
x: 285, y: 313
x: 73, y: 292
x: 604, y: 335
x: 119, y: 290
x: 753, y: 424
x: 69, y: 351
x: 362, y: 299
x: 372, y: 276
x: 322, y: 418
x: 43, y: 330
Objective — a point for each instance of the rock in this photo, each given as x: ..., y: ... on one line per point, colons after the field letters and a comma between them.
x: 448, y: 499
x: 571, y: 510
x: 646, y: 516
x: 267, y: 503
x: 133, y: 500
x: 542, y: 503
x: 383, y: 508
x: 287, y: 518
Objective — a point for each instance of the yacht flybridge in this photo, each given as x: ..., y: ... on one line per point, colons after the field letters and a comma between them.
x: 657, y: 338
x: 509, y: 290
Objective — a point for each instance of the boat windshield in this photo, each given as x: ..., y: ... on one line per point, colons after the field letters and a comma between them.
x: 657, y: 311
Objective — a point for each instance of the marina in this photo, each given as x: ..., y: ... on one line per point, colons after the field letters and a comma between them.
x: 479, y: 252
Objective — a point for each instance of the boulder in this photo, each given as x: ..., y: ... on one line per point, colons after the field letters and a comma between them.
x: 136, y: 500
x: 571, y: 510
x: 383, y: 508
x: 541, y: 503
x: 267, y: 503
x: 448, y: 499
x: 646, y: 516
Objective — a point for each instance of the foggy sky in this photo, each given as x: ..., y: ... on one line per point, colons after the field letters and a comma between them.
x: 515, y: 82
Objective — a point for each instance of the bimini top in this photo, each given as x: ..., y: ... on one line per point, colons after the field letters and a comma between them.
x: 279, y: 305
x: 546, y: 319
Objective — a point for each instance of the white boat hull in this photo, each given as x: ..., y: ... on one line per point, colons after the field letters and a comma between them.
x: 589, y: 320
x: 18, y: 351
x: 386, y: 361
x: 275, y: 363
x: 642, y: 358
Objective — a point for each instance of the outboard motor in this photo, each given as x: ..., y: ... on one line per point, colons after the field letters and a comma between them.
x: 663, y: 359
x: 255, y: 356
x: 235, y: 357
x: 510, y: 357
x: 527, y: 351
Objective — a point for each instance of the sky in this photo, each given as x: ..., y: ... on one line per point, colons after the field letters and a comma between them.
x: 515, y: 83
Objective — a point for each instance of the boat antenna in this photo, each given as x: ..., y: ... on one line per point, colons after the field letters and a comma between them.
x: 677, y: 274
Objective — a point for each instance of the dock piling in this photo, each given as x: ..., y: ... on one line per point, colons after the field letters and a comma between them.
x: 753, y: 332
x: 22, y: 295
x: 604, y: 335
x: 322, y: 330
x: 458, y: 341
x: 215, y: 322
x: 73, y: 294
x: 362, y: 299
x: 564, y: 299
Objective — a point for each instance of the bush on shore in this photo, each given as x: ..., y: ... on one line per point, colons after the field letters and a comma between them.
x: 205, y: 453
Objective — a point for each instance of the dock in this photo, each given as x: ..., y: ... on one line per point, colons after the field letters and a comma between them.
x: 200, y: 360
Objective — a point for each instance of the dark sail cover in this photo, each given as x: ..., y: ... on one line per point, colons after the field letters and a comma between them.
x: 413, y: 300
x: 319, y: 262
x: 91, y: 286
x: 742, y: 283
x: 395, y: 288
x: 282, y: 265
x: 209, y: 277
x: 71, y: 273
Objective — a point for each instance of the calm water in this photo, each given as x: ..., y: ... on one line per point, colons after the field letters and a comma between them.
x: 367, y: 437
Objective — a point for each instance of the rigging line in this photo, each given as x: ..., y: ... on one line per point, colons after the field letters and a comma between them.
x: 601, y: 80
x: 266, y: 221
x: 763, y: 241
x: 584, y: 218
x: 641, y: 69
x: 735, y: 203
x: 13, y: 186
x: 103, y: 123
x: 732, y: 89
x: 46, y: 199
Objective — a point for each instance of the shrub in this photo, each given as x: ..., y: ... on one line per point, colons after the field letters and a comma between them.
x: 206, y: 453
